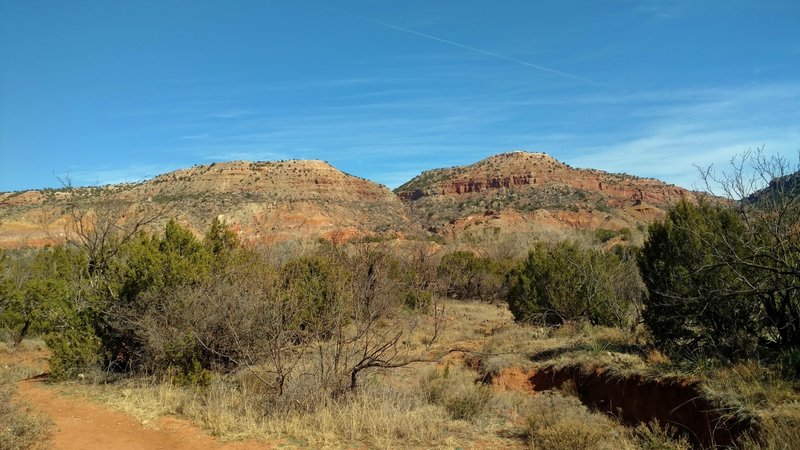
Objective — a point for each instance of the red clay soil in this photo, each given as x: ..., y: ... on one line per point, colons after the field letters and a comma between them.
x: 513, y: 379
x: 637, y: 398
x: 81, y: 424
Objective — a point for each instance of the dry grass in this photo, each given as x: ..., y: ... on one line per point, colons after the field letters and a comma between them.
x: 457, y: 391
x: 558, y: 422
x: 749, y: 386
x: 392, y: 409
x: 777, y: 430
x: 472, y: 321
x: 746, y: 390
x: 20, y: 428
x: 654, y: 436
x: 572, y: 344
x: 27, y: 345
x: 380, y: 415
x: 441, y: 406
x: 760, y: 393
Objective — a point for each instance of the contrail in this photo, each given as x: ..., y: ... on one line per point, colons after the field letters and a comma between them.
x: 453, y: 43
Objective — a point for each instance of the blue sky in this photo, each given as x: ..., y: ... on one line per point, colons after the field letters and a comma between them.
x: 115, y: 91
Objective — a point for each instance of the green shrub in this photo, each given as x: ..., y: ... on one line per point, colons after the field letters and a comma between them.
x: 220, y: 240
x: 150, y: 263
x: 566, y: 282
x: 418, y: 300
x: 321, y: 286
x: 723, y: 275
x: 605, y: 235
x: 52, y: 297
x: 697, y: 302
x: 464, y: 275
x: 461, y: 273
x: 142, y: 284
x: 41, y: 293
x: 192, y: 374
x: 74, y: 350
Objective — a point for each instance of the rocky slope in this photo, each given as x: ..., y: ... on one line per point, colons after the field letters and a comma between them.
x: 781, y: 189
x: 263, y: 201
x: 524, y: 191
x: 267, y: 202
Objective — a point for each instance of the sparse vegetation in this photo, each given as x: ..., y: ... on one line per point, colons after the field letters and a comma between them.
x: 377, y: 341
x: 558, y: 422
x: 20, y: 426
x: 458, y: 392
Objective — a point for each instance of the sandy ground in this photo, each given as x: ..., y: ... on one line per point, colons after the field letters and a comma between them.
x: 82, y: 424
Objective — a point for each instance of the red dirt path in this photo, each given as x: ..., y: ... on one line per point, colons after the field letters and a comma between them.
x: 81, y: 424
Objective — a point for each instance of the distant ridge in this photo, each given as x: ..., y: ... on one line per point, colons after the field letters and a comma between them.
x: 523, y: 190
x: 268, y: 202
x: 263, y: 201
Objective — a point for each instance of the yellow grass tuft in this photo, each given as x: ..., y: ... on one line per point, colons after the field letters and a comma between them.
x: 555, y: 422
x: 20, y: 428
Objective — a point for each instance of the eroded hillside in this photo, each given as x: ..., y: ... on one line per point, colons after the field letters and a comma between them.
x: 265, y: 202
x: 262, y: 201
x: 524, y: 191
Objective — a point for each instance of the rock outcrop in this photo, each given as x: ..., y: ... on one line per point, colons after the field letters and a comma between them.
x: 524, y: 190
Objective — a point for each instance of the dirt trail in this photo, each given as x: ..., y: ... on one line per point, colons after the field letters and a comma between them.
x: 81, y: 424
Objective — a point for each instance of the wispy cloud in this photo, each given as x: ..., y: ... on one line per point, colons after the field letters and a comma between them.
x: 230, y: 114
x: 659, y: 9
x: 122, y: 174
x: 658, y: 133
x: 706, y: 127
x: 460, y: 45
x: 390, y: 131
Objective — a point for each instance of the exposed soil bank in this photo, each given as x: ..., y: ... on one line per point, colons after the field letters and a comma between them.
x: 637, y: 398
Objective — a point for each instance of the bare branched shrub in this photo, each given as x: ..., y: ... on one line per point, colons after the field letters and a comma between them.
x: 100, y: 222
x: 311, y: 328
x: 374, y: 332
x: 765, y: 256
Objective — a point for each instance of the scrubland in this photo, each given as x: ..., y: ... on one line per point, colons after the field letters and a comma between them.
x: 450, y: 403
x: 442, y: 404
x: 687, y: 337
